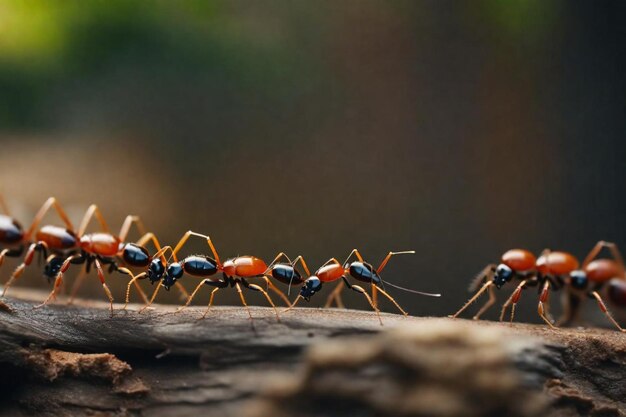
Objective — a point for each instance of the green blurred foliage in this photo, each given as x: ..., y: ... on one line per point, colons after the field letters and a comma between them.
x: 48, y: 46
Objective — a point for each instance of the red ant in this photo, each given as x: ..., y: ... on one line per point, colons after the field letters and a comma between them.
x: 235, y: 273
x: 550, y: 269
x: 360, y: 270
x: 592, y: 278
x: 48, y: 238
x: 102, y: 248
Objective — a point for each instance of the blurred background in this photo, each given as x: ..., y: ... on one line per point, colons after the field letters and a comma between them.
x: 458, y: 129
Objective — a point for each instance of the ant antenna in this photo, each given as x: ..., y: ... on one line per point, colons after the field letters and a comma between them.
x: 428, y: 294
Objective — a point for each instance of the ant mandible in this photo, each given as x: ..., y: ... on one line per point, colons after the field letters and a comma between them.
x: 360, y: 270
x: 550, y: 271
x: 593, y: 276
x: 104, y: 248
x: 235, y: 273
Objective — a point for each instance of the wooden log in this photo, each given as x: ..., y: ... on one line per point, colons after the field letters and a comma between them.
x: 79, y: 360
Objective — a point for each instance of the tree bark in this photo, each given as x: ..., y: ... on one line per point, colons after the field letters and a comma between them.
x: 79, y: 360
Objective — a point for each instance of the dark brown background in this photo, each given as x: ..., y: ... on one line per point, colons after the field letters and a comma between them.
x: 458, y: 129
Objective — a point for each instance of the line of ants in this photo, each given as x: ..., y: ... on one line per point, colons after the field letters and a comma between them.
x: 62, y: 247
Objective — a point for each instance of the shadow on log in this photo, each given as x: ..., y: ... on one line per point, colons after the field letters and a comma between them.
x: 78, y: 360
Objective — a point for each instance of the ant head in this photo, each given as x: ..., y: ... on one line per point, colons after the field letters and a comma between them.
x: 578, y: 279
x: 10, y: 230
x: 156, y: 270
x: 52, y: 266
x: 502, y: 275
x: 135, y: 255
x: 310, y: 287
x: 173, y: 273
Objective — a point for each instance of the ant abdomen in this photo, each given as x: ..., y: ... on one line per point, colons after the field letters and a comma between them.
x: 617, y: 292
x: 199, y: 265
x: 136, y: 255
x: 286, y: 274
x: 10, y: 230
x: 364, y: 272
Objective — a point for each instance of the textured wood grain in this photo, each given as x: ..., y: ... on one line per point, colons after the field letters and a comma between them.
x: 160, y: 363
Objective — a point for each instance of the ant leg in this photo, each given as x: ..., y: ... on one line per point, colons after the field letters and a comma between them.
x: 28, y: 259
x: 218, y: 284
x: 303, y: 263
x: 543, y: 299
x: 255, y: 287
x: 335, y: 296
x: 50, y: 203
x: 331, y: 260
x: 186, y: 237
x: 128, y: 222
x: 59, y: 278
x: 381, y: 267
x: 474, y: 298
x: 143, y: 275
x: 277, y: 258
x: 154, y: 294
x: 484, y: 276
x: 388, y: 257
x: 3, y: 254
x: 183, y: 292
x: 606, y: 312
x: 293, y: 304
x: 93, y: 210
x: 367, y: 297
x: 243, y: 299
x: 104, y: 285
x: 277, y: 290
x: 142, y: 294
x: 300, y: 259
x: 77, y: 284
x: 149, y: 237
x: 571, y: 307
x: 612, y: 247
x: 210, y: 302
x: 488, y: 304
x: 393, y: 301
x: 513, y: 300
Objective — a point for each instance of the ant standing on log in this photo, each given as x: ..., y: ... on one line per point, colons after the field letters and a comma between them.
x: 103, y: 248
x: 235, y: 273
x: 58, y: 240
x: 552, y: 270
x: 360, y: 270
x: 594, y: 276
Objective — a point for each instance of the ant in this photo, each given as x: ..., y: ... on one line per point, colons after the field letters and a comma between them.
x: 235, y: 273
x: 102, y: 248
x: 360, y: 270
x: 592, y: 277
x: 47, y: 238
x: 550, y: 271
x: 287, y: 272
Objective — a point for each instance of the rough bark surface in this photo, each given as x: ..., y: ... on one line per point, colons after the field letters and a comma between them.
x: 78, y: 360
